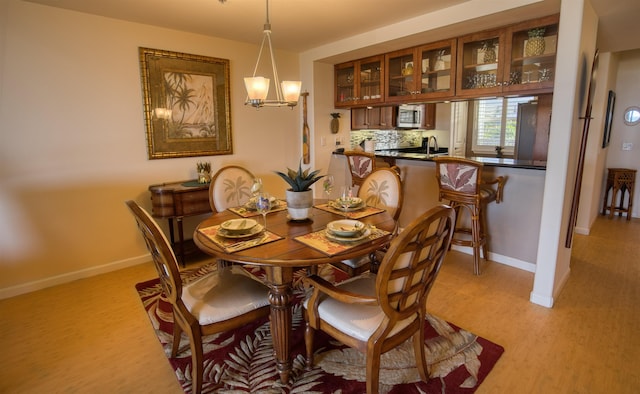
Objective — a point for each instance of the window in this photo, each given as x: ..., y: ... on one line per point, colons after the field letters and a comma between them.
x: 495, y: 124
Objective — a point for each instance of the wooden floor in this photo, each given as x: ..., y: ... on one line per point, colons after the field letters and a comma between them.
x: 93, y: 336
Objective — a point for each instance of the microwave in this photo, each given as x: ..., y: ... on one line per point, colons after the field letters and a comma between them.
x: 409, y: 116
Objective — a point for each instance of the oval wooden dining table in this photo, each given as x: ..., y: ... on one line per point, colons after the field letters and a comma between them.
x: 280, y: 258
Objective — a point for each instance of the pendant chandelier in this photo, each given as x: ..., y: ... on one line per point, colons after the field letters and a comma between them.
x: 287, y: 92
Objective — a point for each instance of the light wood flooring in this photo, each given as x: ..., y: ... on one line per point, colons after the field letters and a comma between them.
x: 93, y: 336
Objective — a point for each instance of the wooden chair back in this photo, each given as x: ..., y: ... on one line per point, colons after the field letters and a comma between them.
x: 230, y: 187
x: 376, y: 313
x: 383, y: 189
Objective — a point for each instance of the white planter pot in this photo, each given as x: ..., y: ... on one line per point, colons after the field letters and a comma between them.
x: 299, y: 204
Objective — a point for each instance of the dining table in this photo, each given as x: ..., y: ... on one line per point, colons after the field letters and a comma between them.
x: 285, y: 246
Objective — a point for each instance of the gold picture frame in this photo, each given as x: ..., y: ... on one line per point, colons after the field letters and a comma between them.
x: 186, y: 104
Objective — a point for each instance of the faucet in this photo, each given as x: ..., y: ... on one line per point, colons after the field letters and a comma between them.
x: 435, y: 144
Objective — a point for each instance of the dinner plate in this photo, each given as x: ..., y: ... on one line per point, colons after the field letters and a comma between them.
x: 238, y: 226
x: 333, y: 237
x: 336, y: 205
x: 346, y: 228
x: 250, y: 233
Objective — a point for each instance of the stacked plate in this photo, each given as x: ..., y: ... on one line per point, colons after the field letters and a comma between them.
x: 347, y: 230
x: 239, y: 228
x: 353, y: 204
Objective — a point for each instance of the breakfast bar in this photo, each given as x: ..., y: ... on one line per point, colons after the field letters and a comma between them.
x: 513, y: 225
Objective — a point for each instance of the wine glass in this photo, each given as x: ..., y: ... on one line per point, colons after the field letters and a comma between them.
x: 327, y: 185
x: 256, y: 187
x: 346, y: 194
x: 263, y: 205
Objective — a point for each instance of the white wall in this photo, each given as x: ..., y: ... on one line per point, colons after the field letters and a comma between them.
x: 73, y: 139
x: 627, y: 91
x: 595, y: 157
x: 578, y: 24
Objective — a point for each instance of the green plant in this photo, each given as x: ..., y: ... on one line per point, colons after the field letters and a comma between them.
x: 300, y: 180
x: 204, y: 166
x: 537, y: 32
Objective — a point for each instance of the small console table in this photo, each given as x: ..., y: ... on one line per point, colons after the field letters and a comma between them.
x: 622, y: 180
x: 177, y: 200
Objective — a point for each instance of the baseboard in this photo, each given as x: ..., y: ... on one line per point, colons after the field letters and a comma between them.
x: 541, y: 300
x: 582, y: 230
x: 498, y: 258
x: 29, y: 287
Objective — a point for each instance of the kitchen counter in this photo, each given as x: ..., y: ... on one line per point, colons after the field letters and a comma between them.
x: 393, y: 154
x: 513, y: 225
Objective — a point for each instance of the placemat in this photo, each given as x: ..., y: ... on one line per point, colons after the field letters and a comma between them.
x: 320, y: 242
x: 248, y: 213
x: 359, y: 214
x: 233, y: 245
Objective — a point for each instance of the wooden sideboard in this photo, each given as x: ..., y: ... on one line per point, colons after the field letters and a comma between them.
x: 177, y: 200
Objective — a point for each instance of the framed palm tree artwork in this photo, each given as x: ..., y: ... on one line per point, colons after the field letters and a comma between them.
x: 186, y: 104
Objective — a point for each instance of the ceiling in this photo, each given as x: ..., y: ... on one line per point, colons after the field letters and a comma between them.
x: 300, y: 25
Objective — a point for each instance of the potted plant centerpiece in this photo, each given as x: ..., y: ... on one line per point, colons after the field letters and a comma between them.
x: 299, y: 195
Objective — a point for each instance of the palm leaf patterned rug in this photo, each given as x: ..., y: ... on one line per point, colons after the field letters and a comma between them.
x: 242, y: 361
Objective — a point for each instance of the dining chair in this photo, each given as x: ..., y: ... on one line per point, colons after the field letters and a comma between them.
x: 461, y: 183
x: 230, y: 187
x: 220, y: 301
x: 381, y: 189
x: 376, y: 313
x: 361, y: 164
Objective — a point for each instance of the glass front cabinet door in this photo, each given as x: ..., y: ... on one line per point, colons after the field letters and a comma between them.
x: 531, y: 48
x: 421, y: 73
x: 437, y: 70
x: 360, y: 82
x: 480, y: 64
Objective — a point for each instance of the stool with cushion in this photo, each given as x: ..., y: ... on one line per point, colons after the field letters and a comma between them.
x: 220, y: 301
x: 460, y: 182
x: 381, y: 189
x: 361, y: 164
x: 376, y: 313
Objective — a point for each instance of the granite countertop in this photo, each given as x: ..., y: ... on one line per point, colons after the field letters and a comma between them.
x: 488, y: 161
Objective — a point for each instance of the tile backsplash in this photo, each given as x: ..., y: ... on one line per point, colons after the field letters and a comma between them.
x: 387, y: 139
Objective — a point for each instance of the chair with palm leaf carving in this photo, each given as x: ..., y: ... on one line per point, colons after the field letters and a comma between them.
x: 381, y: 189
x: 230, y: 187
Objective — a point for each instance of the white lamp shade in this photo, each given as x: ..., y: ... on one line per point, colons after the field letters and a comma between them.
x: 257, y: 87
x: 291, y: 90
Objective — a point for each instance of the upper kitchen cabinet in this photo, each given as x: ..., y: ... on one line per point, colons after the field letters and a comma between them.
x: 480, y: 64
x: 365, y: 118
x: 531, y: 49
x: 421, y: 73
x: 360, y: 82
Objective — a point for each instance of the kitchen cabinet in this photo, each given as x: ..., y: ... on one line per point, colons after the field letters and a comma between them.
x: 421, y: 73
x: 373, y: 118
x: 480, y: 64
x: 519, y: 59
x: 531, y: 49
x: 359, y: 82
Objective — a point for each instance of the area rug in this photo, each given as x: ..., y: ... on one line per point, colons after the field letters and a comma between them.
x: 242, y: 361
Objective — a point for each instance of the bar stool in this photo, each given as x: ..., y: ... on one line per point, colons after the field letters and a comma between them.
x: 361, y: 164
x: 619, y: 180
x: 460, y: 182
